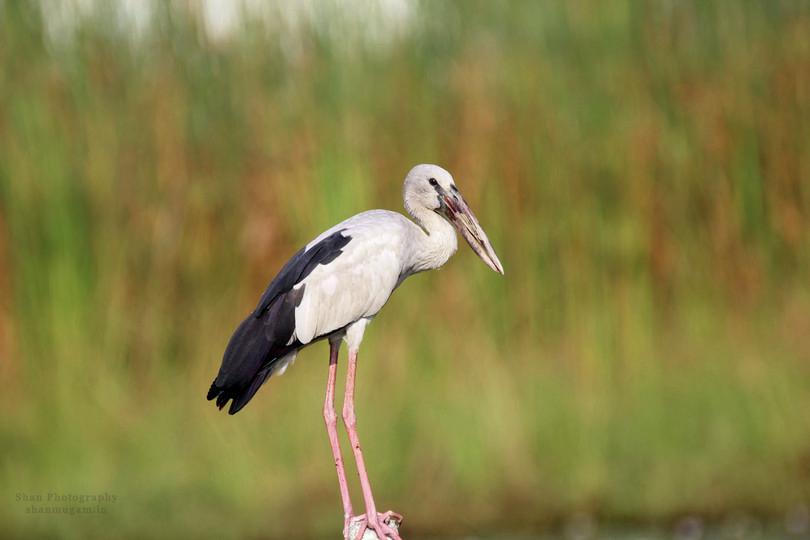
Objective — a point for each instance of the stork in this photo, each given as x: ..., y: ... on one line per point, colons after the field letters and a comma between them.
x: 331, y: 289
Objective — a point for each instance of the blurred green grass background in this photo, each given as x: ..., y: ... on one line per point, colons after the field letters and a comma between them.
x: 642, y: 168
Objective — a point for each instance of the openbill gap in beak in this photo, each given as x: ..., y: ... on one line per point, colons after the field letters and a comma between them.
x: 455, y: 209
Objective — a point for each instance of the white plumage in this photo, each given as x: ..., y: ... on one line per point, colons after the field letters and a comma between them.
x: 357, y: 284
x: 385, y: 248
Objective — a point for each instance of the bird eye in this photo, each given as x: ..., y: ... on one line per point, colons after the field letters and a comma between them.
x: 433, y: 182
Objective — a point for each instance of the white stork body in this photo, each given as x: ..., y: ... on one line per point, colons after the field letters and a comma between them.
x: 385, y: 248
x: 332, y: 288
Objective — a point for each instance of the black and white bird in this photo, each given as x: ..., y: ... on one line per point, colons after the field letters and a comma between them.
x: 331, y: 289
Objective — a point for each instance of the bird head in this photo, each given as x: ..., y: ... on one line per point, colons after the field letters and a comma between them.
x: 432, y: 188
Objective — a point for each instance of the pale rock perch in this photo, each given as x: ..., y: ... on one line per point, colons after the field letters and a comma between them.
x: 330, y: 290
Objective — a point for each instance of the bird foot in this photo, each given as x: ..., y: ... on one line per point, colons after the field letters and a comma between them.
x: 384, y: 527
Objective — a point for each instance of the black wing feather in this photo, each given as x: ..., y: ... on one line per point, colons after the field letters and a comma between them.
x: 264, y: 336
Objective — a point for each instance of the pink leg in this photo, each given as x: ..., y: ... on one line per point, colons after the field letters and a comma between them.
x: 373, y: 520
x: 330, y: 417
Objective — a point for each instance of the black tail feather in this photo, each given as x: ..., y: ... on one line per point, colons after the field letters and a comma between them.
x: 253, y: 353
x: 239, y: 397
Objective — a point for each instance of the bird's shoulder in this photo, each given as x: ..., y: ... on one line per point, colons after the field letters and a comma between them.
x: 375, y: 242
x: 369, y: 225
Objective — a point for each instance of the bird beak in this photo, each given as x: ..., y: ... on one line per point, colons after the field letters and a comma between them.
x: 462, y: 218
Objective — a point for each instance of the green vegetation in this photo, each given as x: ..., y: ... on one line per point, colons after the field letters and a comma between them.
x: 642, y: 168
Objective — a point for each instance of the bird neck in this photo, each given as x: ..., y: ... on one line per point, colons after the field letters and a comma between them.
x: 435, y: 240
